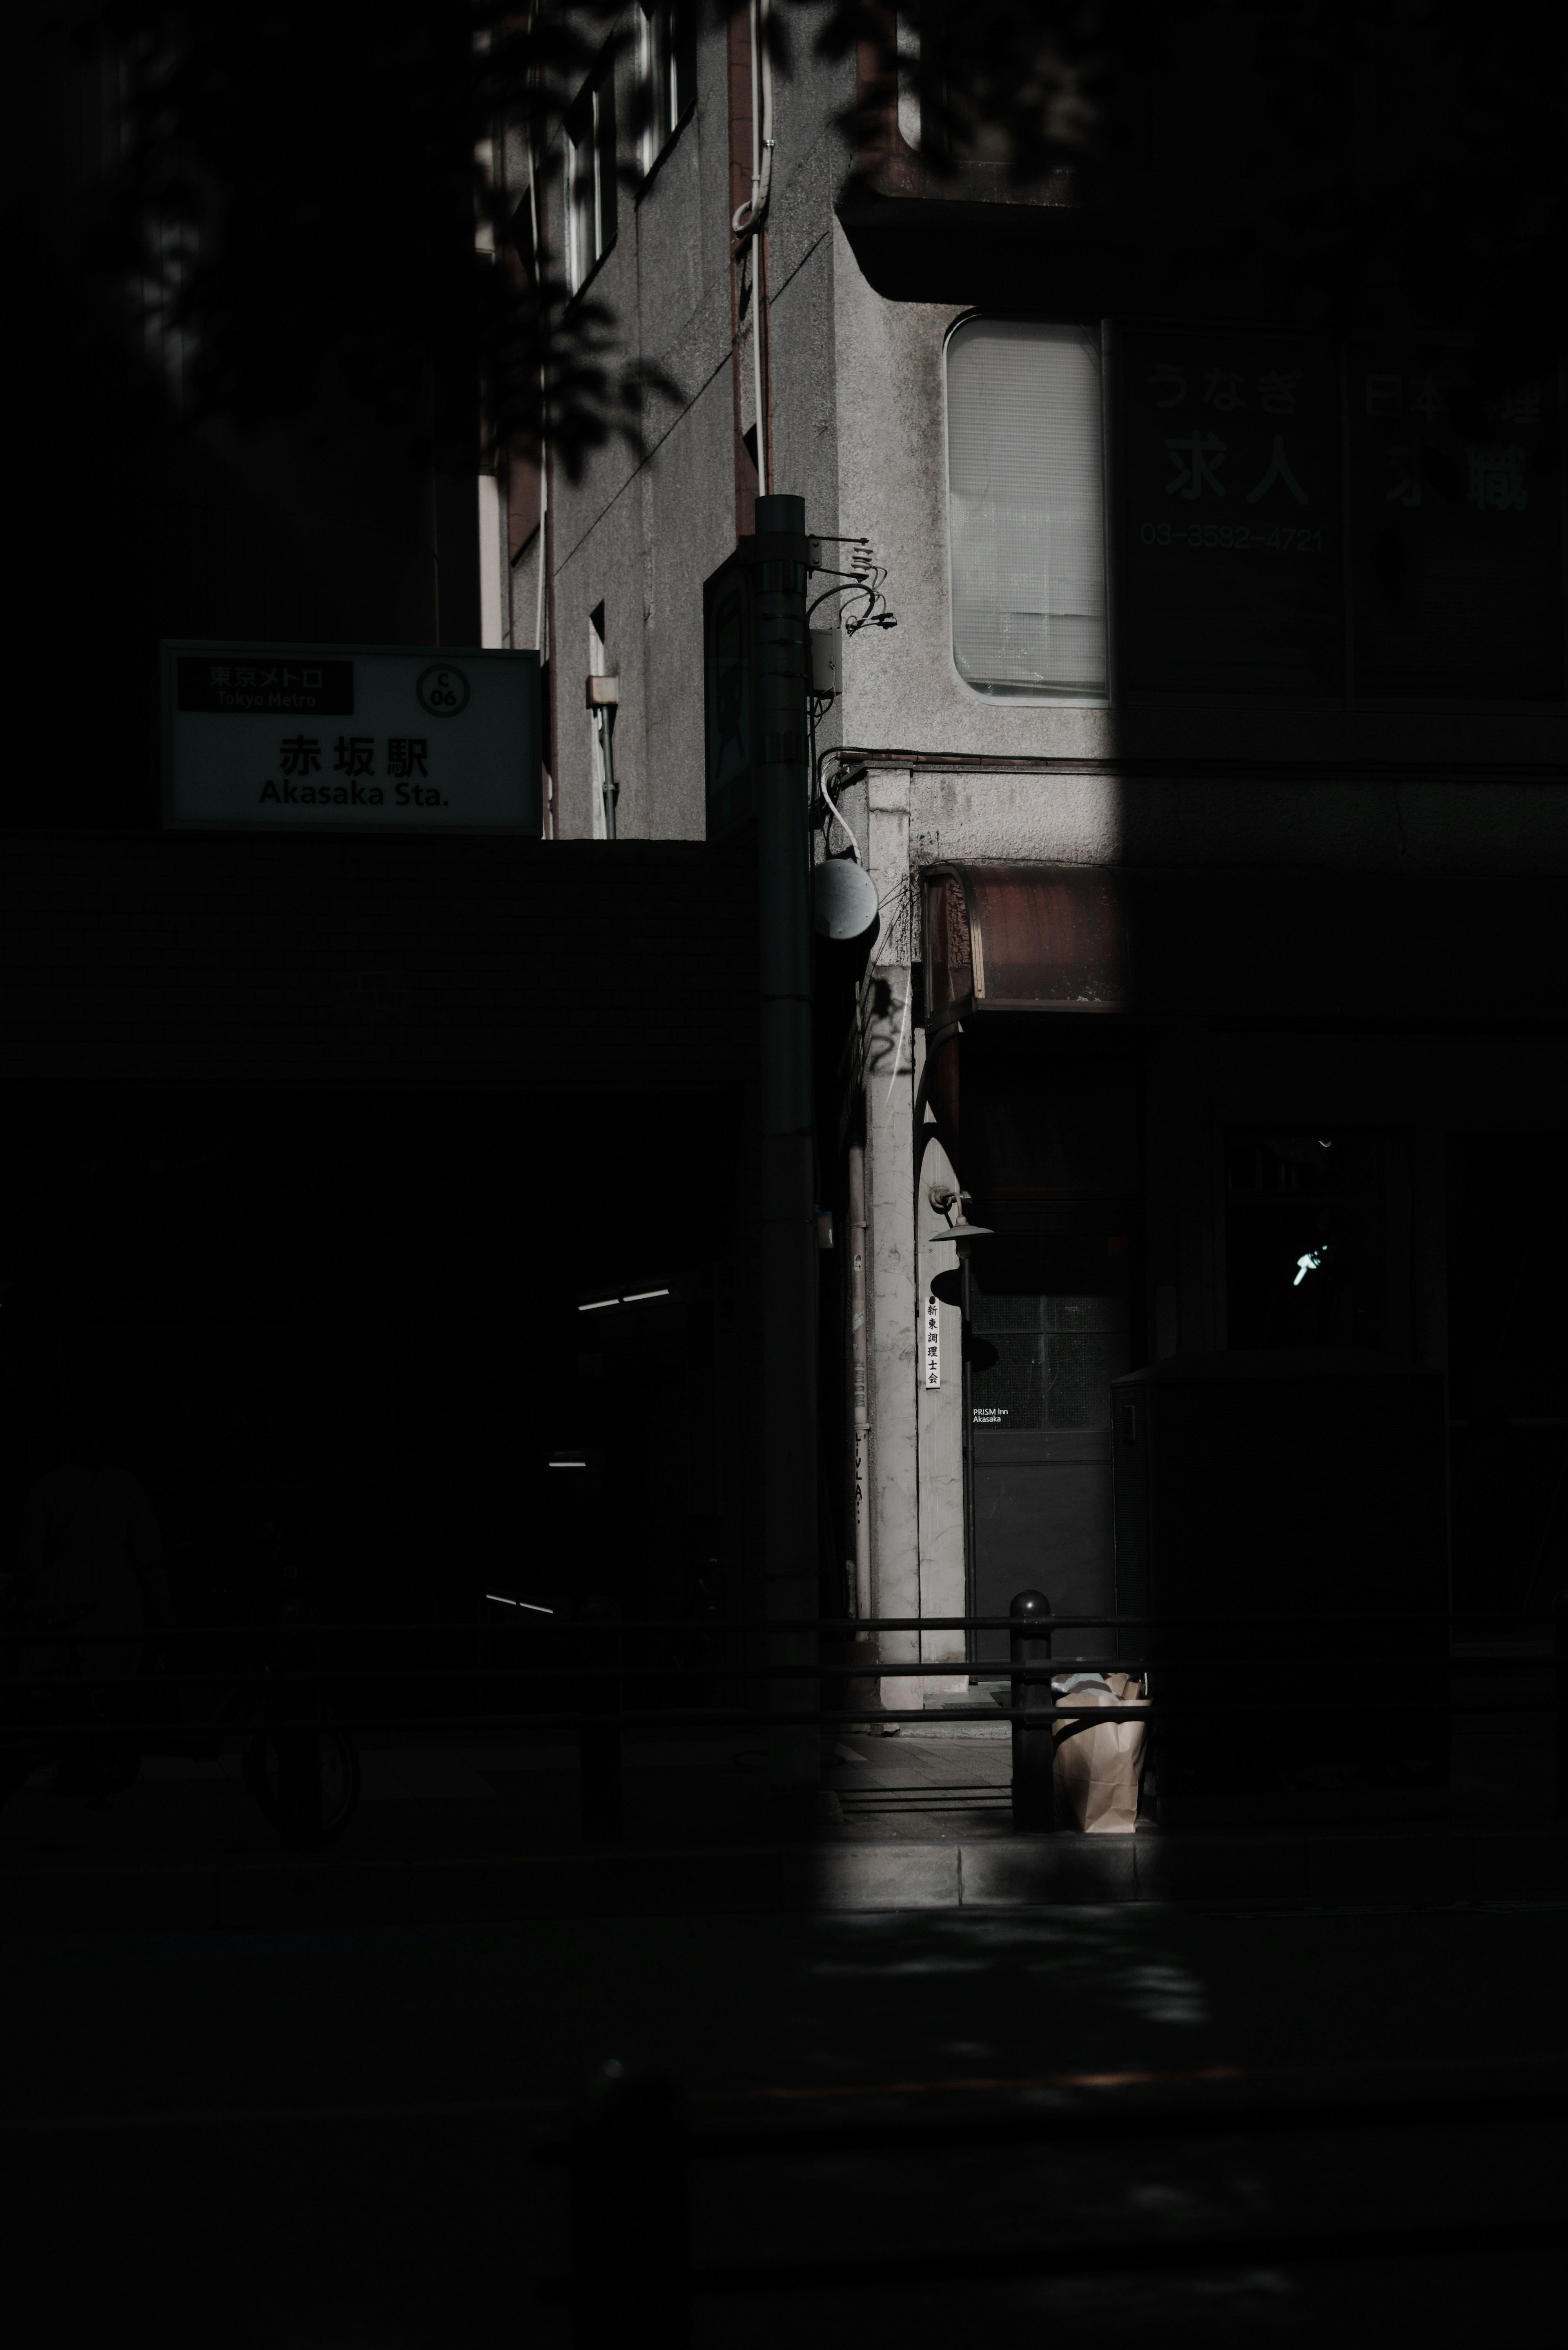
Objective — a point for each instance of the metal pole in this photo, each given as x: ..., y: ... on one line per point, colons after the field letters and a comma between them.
x: 966, y: 1438
x: 606, y: 747
x: 1033, y: 1749
x: 779, y: 554
x: 297, y: 1738
x: 598, y: 1732
x: 761, y: 177
x: 859, y: 1417
x: 630, y: 2220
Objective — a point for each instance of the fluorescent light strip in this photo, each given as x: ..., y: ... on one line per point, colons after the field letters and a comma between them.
x: 565, y: 1464
x: 532, y: 1608
x: 502, y: 1598
x: 599, y: 1305
x: 636, y: 1296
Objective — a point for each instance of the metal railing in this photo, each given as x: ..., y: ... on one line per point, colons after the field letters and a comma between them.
x: 588, y: 1679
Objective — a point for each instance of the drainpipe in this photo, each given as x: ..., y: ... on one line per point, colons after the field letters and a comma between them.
x: 543, y: 601
x: 789, y: 1264
x: 859, y: 1422
x: 748, y: 223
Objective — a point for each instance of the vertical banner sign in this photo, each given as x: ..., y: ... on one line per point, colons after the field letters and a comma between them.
x: 349, y: 738
x: 933, y: 1343
x: 1232, y: 533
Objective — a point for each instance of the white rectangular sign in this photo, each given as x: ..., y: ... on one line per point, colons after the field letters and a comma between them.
x: 933, y: 1343
x: 332, y: 738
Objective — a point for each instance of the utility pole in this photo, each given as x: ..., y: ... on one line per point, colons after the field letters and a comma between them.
x: 779, y: 556
x: 860, y: 1417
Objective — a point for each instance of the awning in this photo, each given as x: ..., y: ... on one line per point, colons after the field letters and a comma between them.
x: 1024, y: 938
x: 1301, y: 944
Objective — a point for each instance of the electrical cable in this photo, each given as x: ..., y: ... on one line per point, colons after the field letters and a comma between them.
x: 540, y: 609
x: 853, y: 844
x: 898, y: 1047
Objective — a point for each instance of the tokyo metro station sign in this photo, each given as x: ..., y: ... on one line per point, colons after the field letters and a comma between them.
x: 336, y: 738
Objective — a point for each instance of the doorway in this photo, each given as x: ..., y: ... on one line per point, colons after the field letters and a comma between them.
x: 1050, y: 1323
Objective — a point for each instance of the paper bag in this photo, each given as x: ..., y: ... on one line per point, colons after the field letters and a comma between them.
x: 1097, y: 1765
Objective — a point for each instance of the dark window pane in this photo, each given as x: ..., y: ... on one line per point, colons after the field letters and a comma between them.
x: 1004, y: 1313
x: 1055, y: 1359
x: 1304, y: 1166
x: 1048, y: 1129
x: 1306, y: 1236
x: 1080, y: 1314
x: 1011, y: 1393
x: 1081, y: 1365
x: 608, y: 177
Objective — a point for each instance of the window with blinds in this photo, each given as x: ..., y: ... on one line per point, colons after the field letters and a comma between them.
x: 1026, y: 510
x: 668, y: 63
x: 589, y: 141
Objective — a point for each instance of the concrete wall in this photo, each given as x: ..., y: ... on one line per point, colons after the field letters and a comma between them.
x: 810, y: 159
x: 640, y: 533
x: 902, y: 690
x: 1257, y: 816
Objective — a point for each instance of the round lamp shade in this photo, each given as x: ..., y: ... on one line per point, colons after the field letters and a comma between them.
x: 843, y: 899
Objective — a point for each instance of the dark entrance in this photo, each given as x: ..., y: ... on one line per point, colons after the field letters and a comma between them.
x: 1049, y: 1128
x: 1050, y: 1332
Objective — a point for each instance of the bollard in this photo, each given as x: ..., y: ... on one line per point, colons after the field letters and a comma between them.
x: 1560, y: 1726
x: 298, y: 1750
x: 629, y: 2220
x: 296, y: 1739
x: 1033, y: 1749
x: 598, y: 1732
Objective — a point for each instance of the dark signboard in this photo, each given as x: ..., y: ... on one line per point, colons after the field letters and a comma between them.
x: 247, y: 685
x: 1231, y: 565
x: 1456, y: 504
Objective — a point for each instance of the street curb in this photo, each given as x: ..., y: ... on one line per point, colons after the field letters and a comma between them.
x: 1253, y: 1871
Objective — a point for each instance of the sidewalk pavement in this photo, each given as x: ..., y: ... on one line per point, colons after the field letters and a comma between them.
x: 472, y: 1831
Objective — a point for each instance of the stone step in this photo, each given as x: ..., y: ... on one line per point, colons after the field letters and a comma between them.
x: 1355, y: 1869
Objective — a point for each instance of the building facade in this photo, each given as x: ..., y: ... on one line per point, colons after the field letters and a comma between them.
x: 1212, y: 785
x: 1213, y: 782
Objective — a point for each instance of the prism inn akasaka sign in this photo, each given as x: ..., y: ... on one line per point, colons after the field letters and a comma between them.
x: 332, y: 738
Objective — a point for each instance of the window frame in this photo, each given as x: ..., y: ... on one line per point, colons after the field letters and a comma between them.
x: 1107, y: 335
x: 1094, y: 332
x: 588, y: 162
x: 667, y: 73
